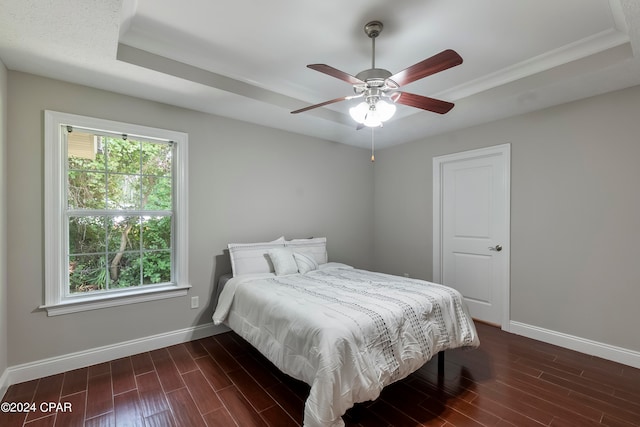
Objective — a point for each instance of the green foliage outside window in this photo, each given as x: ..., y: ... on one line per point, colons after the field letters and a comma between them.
x: 119, y: 204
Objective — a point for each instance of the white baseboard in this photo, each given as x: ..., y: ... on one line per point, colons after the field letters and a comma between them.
x: 80, y: 359
x: 583, y: 345
x: 4, y: 383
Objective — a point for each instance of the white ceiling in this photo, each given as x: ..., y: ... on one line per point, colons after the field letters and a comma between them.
x: 247, y: 59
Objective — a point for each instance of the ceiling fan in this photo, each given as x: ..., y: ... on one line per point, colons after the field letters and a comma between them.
x: 377, y: 86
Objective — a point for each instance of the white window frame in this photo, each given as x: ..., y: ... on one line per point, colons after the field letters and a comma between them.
x: 57, y: 301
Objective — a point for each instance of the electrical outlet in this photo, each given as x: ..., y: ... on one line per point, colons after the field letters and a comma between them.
x: 195, y: 302
x: 406, y: 274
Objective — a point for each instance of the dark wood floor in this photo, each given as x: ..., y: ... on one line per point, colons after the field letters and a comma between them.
x: 221, y: 381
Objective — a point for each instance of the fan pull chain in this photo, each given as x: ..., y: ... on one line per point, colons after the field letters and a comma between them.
x: 373, y: 157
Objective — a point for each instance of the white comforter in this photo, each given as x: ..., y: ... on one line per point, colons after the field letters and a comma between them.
x: 346, y: 332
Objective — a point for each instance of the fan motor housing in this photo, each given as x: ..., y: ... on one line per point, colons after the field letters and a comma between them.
x: 374, y: 77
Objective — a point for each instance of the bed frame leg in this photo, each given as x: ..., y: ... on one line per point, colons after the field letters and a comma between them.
x: 441, y: 364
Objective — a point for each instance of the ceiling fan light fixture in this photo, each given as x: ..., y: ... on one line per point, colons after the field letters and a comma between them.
x: 372, y: 120
x: 359, y: 112
x: 385, y: 110
x: 372, y: 115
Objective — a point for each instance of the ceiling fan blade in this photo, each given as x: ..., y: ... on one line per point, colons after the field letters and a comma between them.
x: 439, y: 62
x: 334, y: 72
x: 419, y: 101
x: 322, y: 104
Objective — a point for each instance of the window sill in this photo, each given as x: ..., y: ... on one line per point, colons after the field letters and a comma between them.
x: 95, y: 302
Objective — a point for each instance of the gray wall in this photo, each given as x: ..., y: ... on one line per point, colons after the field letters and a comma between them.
x: 246, y: 183
x: 575, y: 213
x: 3, y: 217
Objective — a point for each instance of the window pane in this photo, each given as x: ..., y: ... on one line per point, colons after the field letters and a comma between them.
x: 124, y: 233
x: 87, y: 273
x: 86, y: 190
x: 123, y: 156
x: 124, y: 270
x: 85, y: 151
x: 156, y: 159
x: 157, y: 193
x: 87, y: 234
x: 156, y: 267
x: 124, y: 191
x: 156, y: 232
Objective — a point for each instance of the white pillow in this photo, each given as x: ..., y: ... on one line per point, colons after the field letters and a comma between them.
x: 283, y: 262
x: 315, y: 247
x: 251, y: 258
x: 305, y: 263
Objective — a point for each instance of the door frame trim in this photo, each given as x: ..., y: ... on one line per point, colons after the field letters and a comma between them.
x: 503, y: 150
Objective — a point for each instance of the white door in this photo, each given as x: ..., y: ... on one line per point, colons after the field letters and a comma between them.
x: 471, y: 229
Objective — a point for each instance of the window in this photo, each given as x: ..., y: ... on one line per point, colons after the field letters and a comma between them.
x: 115, y: 213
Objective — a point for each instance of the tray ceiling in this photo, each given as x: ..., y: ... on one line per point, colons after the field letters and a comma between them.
x: 248, y: 60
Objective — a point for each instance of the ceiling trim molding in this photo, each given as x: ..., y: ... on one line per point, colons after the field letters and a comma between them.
x: 151, y: 61
x: 583, y: 48
x: 631, y: 12
x: 618, y: 14
x: 127, y: 13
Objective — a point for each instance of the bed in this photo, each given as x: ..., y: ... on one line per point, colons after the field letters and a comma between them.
x: 344, y: 331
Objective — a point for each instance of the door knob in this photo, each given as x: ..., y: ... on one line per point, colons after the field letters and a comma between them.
x: 497, y: 248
